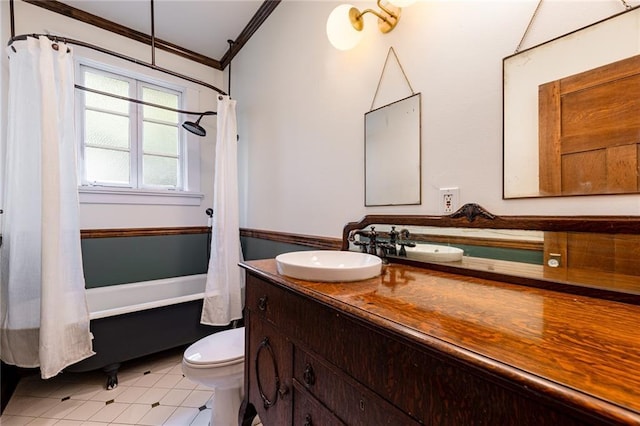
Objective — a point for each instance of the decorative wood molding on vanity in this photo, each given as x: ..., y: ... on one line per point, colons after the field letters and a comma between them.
x: 605, y: 246
x: 285, y: 237
x: 596, y: 224
x: 142, y: 232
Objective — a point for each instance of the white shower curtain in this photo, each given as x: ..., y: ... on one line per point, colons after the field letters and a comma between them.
x: 44, y: 317
x: 225, y: 281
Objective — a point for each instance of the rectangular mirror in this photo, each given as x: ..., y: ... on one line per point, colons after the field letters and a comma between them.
x: 572, y: 113
x: 590, y: 255
x: 393, y: 154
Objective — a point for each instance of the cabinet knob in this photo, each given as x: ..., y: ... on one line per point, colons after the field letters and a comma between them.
x: 307, y: 420
x: 262, y: 303
x: 309, y: 376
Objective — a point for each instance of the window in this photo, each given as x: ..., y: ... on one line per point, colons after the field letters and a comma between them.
x: 126, y: 144
x: 131, y: 153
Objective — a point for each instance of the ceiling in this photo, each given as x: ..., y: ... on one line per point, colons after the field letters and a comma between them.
x: 197, y: 29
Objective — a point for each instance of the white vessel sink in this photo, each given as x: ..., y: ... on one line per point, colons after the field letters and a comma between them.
x: 434, y: 253
x: 329, y: 265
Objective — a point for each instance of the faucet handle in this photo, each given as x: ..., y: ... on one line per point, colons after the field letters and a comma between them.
x: 363, y: 245
x: 393, y: 235
x: 383, y: 250
x: 372, y: 233
x: 403, y: 250
x: 352, y: 234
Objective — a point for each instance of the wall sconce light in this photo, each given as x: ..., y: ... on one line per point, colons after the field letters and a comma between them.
x: 345, y: 23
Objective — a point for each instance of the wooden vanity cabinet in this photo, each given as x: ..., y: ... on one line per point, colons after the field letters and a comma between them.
x: 325, y: 366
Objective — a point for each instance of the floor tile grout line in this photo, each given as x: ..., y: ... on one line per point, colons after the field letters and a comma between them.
x: 166, y: 368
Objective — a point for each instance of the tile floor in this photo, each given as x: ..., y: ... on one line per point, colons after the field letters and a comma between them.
x: 151, y: 391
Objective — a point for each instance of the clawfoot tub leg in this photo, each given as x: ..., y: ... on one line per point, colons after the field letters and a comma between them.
x: 112, y: 375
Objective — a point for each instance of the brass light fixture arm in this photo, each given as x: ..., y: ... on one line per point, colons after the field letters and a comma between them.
x: 388, y: 19
x: 387, y: 11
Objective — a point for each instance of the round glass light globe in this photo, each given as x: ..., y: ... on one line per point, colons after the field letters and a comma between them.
x: 340, y: 32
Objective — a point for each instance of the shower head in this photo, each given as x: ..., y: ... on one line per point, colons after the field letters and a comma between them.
x: 196, y: 128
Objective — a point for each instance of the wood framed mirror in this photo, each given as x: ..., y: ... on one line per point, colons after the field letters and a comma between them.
x: 597, y: 256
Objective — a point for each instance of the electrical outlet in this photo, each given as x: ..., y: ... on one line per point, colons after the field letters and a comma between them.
x: 448, y: 200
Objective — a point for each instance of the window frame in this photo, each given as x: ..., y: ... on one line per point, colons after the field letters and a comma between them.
x: 181, y: 179
x: 187, y: 191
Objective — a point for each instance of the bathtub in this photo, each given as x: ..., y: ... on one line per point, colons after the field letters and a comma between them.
x: 129, y: 321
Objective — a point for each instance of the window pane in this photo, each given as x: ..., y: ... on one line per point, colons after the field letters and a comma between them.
x: 160, y: 171
x: 106, y: 130
x: 160, y: 98
x: 160, y: 139
x: 106, y: 84
x: 106, y: 165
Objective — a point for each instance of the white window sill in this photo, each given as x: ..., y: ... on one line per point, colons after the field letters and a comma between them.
x: 102, y: 195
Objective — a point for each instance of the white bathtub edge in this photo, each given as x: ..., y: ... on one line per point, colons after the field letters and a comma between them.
x: 120, y: 310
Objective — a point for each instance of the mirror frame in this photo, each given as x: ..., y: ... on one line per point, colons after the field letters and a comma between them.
x: 474, y: 216
x: 367, y: 203
x: 507, y: 192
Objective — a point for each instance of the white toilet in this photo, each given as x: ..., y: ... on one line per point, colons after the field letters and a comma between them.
x: 217, y: 361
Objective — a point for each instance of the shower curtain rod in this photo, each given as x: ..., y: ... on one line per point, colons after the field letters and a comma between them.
x: 138, y: 101
x: 55, y: 38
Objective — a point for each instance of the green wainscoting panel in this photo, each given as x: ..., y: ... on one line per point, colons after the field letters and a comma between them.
x: 119, y: 260
x: 499, y: 253
x: 257, y: 248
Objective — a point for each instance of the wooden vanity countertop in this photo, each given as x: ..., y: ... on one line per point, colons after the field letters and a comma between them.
x: 581, y: 350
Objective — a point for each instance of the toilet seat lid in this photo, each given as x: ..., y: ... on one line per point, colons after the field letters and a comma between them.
x: 222, y: 347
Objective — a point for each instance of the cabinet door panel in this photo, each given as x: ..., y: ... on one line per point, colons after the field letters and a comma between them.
x: 270, y: 371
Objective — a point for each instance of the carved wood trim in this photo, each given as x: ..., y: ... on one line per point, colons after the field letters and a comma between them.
x: 284, y: 237
x: 142, y: 232
x: 471, y: 216
x: 471, y: 211
x: 599, y: 224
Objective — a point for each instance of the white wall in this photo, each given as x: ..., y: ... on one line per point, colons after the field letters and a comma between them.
x: 31, y: 19
x: 5, y: 33
x: 301, y: 106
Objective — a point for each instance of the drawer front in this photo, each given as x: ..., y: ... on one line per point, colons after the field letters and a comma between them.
x: 349, y: 400
x: 308, y: 411
x: 274, y: 304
